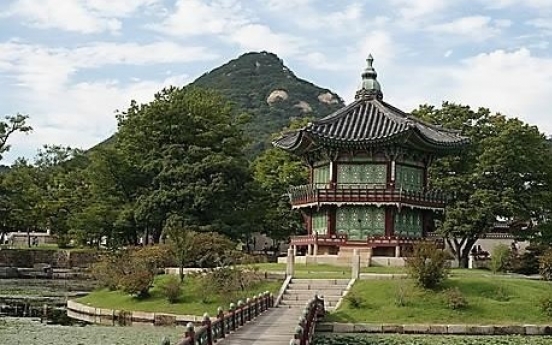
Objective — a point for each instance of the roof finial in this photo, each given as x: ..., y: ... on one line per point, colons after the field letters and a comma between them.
x: 369, y: 87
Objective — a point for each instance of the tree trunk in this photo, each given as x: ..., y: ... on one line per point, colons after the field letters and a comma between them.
x: 461, y: 249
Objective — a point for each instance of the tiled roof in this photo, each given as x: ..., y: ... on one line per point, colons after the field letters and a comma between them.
x: 369, y: 122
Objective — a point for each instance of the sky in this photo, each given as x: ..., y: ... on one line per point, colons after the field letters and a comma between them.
x: 72, y: 64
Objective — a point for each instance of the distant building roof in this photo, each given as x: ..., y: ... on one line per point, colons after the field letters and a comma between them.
x: 369, y: 122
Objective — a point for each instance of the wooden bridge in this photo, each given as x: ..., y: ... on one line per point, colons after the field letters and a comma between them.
x: 264, y: 321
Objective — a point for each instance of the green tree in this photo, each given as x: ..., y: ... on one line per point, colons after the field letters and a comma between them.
x: 275, y: 171
x: 505, y: 172
x: 189, y: 149
x: 11, y: 125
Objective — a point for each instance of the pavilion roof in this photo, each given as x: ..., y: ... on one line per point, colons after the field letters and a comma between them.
x: 370, y: 122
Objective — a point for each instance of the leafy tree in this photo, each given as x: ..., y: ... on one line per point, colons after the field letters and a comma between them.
x: 505, y: 172
x: 276, y: 170
x: 189, y: 149
x: 11, y: 125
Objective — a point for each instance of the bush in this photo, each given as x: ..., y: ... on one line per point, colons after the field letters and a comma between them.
x: 455, y: 299
x: 501, y: 258
x: 545, y: 265
x: 402, y: 294
x: 427, y: 265
x: 172, y: 289
x: 546, y: 305
x: 355, y: 301
x: 131, y: 270
x: 527, y: 263
x: 229, y: 281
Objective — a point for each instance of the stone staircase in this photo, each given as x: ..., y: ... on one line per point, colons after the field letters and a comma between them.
x: 300, y: 291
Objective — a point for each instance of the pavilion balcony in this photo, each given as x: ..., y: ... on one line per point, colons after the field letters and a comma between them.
x: 363, y: 194
x: 343, y: 240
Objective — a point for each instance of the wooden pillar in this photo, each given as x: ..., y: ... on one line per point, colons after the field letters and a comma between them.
x: 389, y: 221
x: 333, y: 174
x: 307, y: 218
x: 331, y: 214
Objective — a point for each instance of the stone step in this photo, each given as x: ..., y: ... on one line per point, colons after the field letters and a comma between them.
x: 302, y: 304
x: 342, y: 282
x: 309, y: 294
x: 317, y: 287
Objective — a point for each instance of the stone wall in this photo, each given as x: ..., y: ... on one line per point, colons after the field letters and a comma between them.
x: 57, y: 258
x: 112, y: 317
x: 336, y: 327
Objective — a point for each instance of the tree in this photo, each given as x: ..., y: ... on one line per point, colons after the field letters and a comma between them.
x: 505, y: 172
x: 276, y: 170
x: 11, y: 125
x: 189, y: 149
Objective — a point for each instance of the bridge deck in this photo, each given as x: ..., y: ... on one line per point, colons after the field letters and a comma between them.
x: 274, y: 327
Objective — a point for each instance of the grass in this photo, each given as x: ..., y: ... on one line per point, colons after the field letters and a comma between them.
x: 491, y: 300
x: 190, y: 302
x: 324, y: 270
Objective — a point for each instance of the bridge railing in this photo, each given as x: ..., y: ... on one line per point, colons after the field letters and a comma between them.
x: 238, y: 315
x: 307, y: 322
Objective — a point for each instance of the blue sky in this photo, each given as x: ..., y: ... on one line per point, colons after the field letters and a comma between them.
x: 70, y: 64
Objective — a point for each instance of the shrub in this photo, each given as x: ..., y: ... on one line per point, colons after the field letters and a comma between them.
x: 355, y: 301
x: 427, y: 265
x: 131, y: 270
x: 546, y: 305
x: 545, y: 265
x: 501, y: 294
x: 500, y: 258
x: 527, y: 263
x: 172, y: 289
x: 230, y: 281
x: 402, y: 294
x: 455, y: 299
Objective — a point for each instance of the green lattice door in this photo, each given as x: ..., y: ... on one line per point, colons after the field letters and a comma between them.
x: 361, y: 222
x: 320, y: 223
x: 372, y: 174
x: 408, y: 223
x: 410, y: 178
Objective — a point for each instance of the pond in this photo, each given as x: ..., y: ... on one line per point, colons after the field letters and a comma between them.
x: 19, y: 331
x: 338, y: 339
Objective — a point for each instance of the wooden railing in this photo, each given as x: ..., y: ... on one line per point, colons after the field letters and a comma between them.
x: 351, y: 193
x: 342, y: 239
x: 238, y: 315
x: 307, y: 322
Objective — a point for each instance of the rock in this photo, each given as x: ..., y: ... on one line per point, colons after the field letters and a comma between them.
x: 457, y: 329
x: 328, y: 98
x: 276, y: 96
x: 367, y: 328
x: 304, y: 106
x: 416, y: 329
x: 343, y: 327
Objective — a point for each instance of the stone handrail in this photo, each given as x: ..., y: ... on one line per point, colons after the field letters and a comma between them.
x: 212, y: 330
x: 282, y: 290
x: 307, y: 322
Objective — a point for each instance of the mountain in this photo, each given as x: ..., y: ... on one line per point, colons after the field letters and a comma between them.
x: 260, y: 85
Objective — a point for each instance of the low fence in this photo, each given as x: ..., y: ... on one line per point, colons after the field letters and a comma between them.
x: 238, y: 315
x: 307, y: 322
x: 111, y: 317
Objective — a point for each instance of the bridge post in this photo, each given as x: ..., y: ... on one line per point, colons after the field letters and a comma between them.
x: 248, y: 306
x: 207, y: 323
x: 232, y: 316
x: 190, y: 332
x: 356, y: 264
x: 290, y: 268
x: 240, y: 312
x: 220, y: 317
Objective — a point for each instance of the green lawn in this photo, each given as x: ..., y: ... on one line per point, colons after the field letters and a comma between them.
x: 324, y: 270
x: 491, y: 300
x: 190, y: 303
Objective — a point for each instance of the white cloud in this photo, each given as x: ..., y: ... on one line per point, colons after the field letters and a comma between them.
x: 260, y: 37
x: 514, y: 83
x: 82, y: 115
x: 203, y: 17
x: 84, y: 16
x: 541, y: 23
x: 477, y: 28
x: 409, y: 9
x: 536, y: 4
